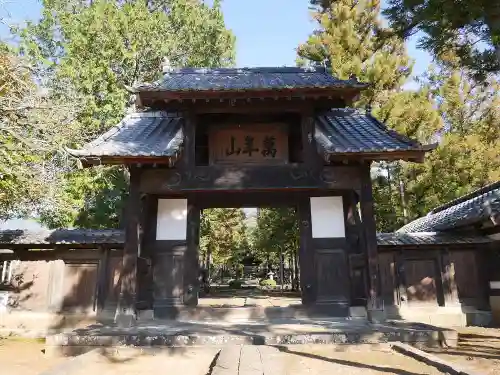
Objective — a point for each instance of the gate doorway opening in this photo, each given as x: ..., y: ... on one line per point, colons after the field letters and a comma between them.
x: 249, y: 257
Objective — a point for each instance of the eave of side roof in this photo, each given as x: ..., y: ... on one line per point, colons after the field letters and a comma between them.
x: 345, y: 132
x: 480, y: 205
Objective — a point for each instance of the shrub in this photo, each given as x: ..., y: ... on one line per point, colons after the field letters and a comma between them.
x: 268, y: 283
x: 235, y: 284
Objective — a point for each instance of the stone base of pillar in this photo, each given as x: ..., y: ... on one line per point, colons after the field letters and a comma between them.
x: 375, y: 311
x: 125, y: 318
x: 376, y: 316
x: 495, y: 309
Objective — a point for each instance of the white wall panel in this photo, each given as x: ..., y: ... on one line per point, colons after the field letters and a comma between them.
x: 327, y: 216
x: 171, y: 221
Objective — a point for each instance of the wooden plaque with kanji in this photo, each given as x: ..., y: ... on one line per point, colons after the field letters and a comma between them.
x: 249, y: 144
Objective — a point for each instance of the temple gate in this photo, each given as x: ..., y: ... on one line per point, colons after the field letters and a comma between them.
x: 249, y: 137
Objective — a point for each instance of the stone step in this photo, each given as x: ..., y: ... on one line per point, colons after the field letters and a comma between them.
x: 234, y: 314
x: 211, y: 334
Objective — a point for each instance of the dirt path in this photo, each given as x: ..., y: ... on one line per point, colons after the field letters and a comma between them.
x: 478, y: 349
x: 24, y: 357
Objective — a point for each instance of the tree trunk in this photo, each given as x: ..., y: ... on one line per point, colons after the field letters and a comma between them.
x: 296, y: 279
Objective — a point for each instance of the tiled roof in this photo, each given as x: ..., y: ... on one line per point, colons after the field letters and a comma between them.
x: 44, y: 238
x: 428, y: 238
x: 116, y: 237
x: 347, y: 131
x: 243, y: 79
x: 158, y: 134
x: 473, y: 208
x: 143, y: 134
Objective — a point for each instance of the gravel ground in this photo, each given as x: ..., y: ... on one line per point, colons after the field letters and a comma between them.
x: 478, y: 349
x: 180, y: 361
x: 24, y: 357
x: 326, y: 359
x: 27, y: 358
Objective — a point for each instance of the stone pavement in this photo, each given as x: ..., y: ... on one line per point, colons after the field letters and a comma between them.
x: 246, y: 360
x: 311, y: 359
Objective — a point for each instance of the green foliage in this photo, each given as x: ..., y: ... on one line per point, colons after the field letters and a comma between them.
x: 34, y: 125
x: 448, y: 107
x: 463, y: 32
x: 97, y: 49
x: 223, y: 235
x: 268, y: 283
x: 351, y: 40
x: 468, y: 156
x: 235, y: 284
x: 276, y: 231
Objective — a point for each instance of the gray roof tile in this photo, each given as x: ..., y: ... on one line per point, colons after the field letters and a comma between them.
x: 346, y: 131
x: 159, y: 134
x: 116, y: 237
x: 140, y: 134
x: 243, y: 79
x: 473, y: 208
x: 428, y: 238
x: 25, y: 237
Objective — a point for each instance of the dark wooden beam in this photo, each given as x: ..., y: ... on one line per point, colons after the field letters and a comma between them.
x: 147, y: 97
x: 370, y: 233
x: 126, y: 304
x: 238, y: 178
x: 188, y: 150
x: 256, y: 105
x: 309, y: 153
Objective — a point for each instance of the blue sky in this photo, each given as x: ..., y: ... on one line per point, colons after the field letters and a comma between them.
x: 267, y: 31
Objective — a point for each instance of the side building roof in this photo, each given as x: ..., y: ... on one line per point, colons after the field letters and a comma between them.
x: 91, y: 238
x: 473, y: 208
x: 47, y: 238
x: 158, y: 137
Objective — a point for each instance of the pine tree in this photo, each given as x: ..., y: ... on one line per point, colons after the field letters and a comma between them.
x: 223, y: 236
x: 351, y: 40
x: 469, y: 29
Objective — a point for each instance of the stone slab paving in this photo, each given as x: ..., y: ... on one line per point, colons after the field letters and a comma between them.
x: 311, y: 359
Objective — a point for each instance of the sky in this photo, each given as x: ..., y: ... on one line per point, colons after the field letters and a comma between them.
x: 267, y: 31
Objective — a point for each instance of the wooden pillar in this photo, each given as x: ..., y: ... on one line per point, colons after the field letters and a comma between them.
x: 402, y: 299
x: 306, y: 252
x: 191, y: 261
x: 449, y: 286
x: 102, y: 279
x: 189, y: 130
x: 126, y: 311
x: 370, y: 234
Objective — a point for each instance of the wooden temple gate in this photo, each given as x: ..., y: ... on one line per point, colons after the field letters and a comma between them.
x: 249, y: 137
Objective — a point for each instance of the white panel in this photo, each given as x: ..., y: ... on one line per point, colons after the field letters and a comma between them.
x: 327, y: 216
x: 494, y: 284
x: 171, y: 223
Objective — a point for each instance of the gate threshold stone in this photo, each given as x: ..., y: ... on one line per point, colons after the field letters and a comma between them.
x: 175, y: 334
